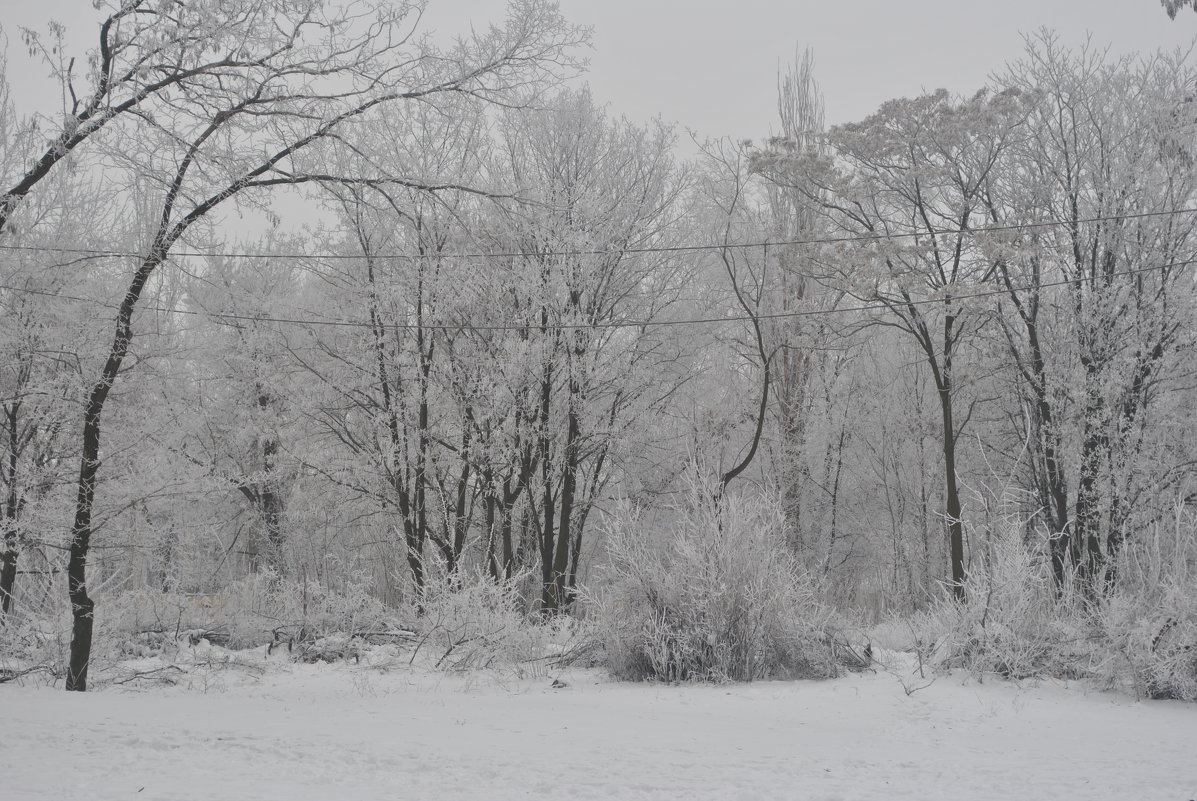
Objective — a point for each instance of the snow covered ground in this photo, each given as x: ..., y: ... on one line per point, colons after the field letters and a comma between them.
x: 292, y: 731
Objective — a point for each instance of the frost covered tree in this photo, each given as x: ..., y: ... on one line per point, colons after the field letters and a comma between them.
x: 146, y: 52
x: 795, y: 218
x: 41, y: 339
x: 240, y: 409
x: 488, y: 383
x: 291, y: 75
x: 1098, y: 308
x: 36, y: 382
x: 595, y: 196
x: 384, y: 387
x: 739, y: 215
x: 908, y: 184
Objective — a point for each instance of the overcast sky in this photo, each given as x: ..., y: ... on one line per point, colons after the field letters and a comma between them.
x: 711, y: 65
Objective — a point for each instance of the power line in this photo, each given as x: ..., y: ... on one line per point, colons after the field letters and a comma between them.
x: 835, y: 240
x: 868, y: 307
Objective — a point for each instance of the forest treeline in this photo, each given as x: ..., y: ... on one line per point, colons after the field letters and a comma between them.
x: 912, y: 365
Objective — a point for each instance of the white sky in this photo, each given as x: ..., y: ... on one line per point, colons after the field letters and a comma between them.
x: 711, y: 65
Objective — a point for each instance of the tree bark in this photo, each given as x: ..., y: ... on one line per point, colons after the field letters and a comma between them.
x: 955, y: 523
x: 82, y: 606
x: 952, y: 488
x: 12, y: 510
x: 461, y: 508
x: 555, y: 596
x: 8, y: 574
x: 1084, y: 545
x: 547, y: 534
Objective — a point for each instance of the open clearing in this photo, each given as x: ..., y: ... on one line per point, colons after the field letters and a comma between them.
x: 355, y: 732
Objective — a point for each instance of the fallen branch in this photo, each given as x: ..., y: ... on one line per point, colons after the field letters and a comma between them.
x: 8, y: 674
x: 145, y: 674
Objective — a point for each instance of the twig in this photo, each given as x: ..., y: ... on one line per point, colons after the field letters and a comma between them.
x: 148, y: 673
x: 911, y: 689
x: 227, y: 663
x: 400, y: 634
x: 11, y: 675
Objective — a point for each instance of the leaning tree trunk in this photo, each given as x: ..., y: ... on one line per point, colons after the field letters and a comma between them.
x: 82, y: 606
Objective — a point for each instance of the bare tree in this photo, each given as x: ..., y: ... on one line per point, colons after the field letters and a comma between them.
x: 595, y: 195
x: 40, y: 371
x: 912, y: 177
x: 1097, y: 310
x: 234, y: 135
x: 148, y: 52
x: 738, y: 211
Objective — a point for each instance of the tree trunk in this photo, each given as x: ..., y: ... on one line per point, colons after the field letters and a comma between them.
x: 271, y: 505
x: 955, y: 524
x: 1052, y: 484
x: 833, y: 527
x: 415, y: 555
x: 272, y: 516
x: 508, y: 523
x: 8, y: 573
x: 490, y: 523
x: 555, y: 597
x: 412, y: 532
x: 423, y: 438
x: 1056, y: 490
x: 1085, y: 547
x: 952, y: 489
x: 82, y: 606
x: 12, y: 507
x: 547, y: 534
x: 461, y: 509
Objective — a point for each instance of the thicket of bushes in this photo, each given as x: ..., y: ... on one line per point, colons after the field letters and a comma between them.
x: 716, y: 596
x: 713, y: 596
x: 1138, y: 635
x: 470, y: 623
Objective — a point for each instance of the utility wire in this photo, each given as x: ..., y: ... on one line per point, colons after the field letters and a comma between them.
x: 847, y: 239
x: 868, y: 307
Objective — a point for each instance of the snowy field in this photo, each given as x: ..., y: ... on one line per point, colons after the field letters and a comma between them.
x: 291, y: 731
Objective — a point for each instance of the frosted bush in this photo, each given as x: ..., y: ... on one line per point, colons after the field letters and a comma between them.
x: 34, y: 643
x: 1159, y: 641
x: 257, y: 610
x: 716, y: 597
x: 1011, y: 622
x: 474, y: 622
x: 1141, y: 634
x: 1151, y: 618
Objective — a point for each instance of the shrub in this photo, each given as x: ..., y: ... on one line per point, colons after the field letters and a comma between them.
x: 256, y: 610
x: 1012, y: 622
x: 718, y: 598
x: 1140, y: 635
x: 474, y: 622
x: 464, y: 623
x: 1151, y: 617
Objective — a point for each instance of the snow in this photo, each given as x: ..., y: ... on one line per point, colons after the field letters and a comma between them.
x: 344, y: 731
